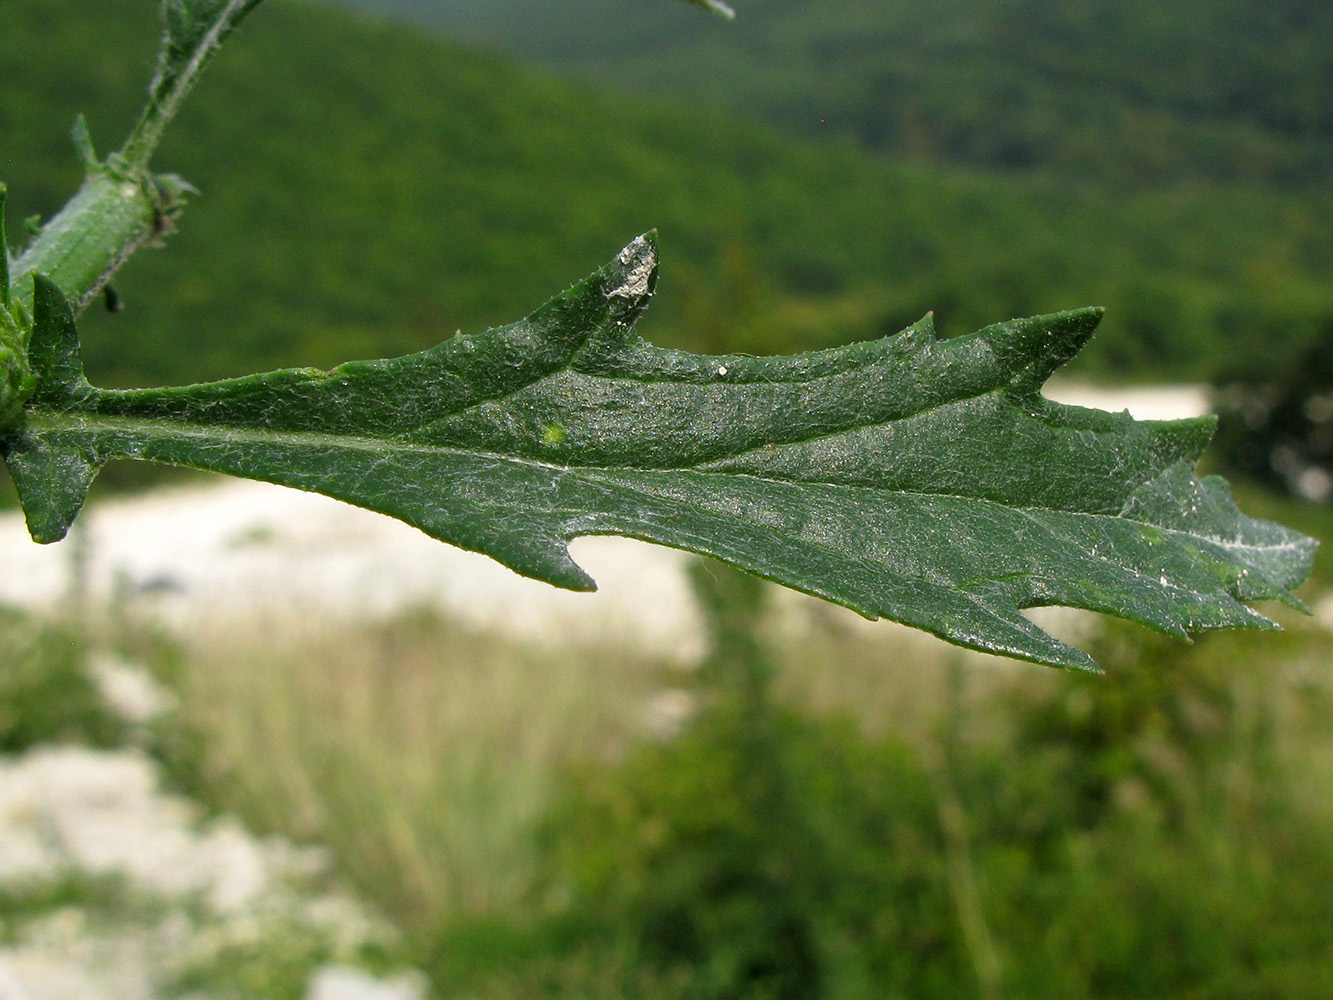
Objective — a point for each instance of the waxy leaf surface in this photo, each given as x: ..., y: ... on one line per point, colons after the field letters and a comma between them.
x: 911, y: 478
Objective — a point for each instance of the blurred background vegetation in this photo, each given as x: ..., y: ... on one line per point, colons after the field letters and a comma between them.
x: 823, y: 808
x: 835, y: 812
x: 370, y: 188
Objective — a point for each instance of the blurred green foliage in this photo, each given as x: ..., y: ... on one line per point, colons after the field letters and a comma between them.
x: 1133, y: 93
x: 1276, y: 419
x: 1147, y: 835
x: 753, y: 855
x: 46, y: 693
x: 1142, y: 835
x: 367, y: 190
x: 1140, y: 100
x: 1163, y: 831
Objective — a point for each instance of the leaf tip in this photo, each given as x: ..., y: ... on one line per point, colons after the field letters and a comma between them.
x: 52, y: 484
x: 1043, y: 344
x: 557, y: 567
x: 1075, y: 660
x: 632, y: 277
x: 82, y: 138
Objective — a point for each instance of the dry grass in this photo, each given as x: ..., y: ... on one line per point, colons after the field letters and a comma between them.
x: 424, y: 755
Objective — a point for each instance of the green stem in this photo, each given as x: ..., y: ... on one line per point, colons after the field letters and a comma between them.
x: 110, y: 217
x: 16, y: 380
x: 177, y: 74
x: 121, y: 205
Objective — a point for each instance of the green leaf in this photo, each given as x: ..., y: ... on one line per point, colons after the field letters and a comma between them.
x: 911, y: 478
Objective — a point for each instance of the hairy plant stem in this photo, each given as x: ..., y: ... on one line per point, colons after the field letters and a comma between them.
x: 122, y: 205
x: 112, y: 215
x: 174, y: 81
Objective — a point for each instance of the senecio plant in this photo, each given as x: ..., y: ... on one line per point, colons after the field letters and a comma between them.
x: 923, y: 480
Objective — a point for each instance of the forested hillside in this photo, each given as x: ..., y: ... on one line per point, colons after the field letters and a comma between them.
x: 1139, y: 92
x: 367, y: 189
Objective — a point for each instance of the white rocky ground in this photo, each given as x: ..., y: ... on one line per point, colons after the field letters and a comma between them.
x: 150, y: 895
x: 233, y: 548
x: 118, y: 890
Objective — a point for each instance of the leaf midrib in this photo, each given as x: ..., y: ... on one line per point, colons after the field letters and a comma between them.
x: 130, y: 426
